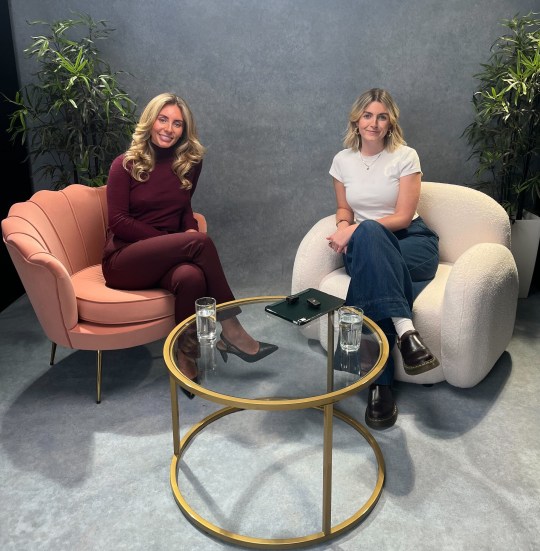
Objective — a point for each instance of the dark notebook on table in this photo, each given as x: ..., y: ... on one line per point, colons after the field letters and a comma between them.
x: 305, y: 306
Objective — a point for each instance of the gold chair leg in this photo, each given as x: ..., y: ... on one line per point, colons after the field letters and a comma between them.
x: 53, y: 352
x: 98, y: 382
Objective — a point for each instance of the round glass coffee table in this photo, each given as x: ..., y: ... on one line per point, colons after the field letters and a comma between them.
x: 299, y: 375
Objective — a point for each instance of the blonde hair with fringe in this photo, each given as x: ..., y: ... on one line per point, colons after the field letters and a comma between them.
x: 139, y: 159
x: 393, y: 139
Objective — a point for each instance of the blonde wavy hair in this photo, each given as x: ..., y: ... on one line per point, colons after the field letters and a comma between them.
x: 139, y: 159
x: 394, y: 137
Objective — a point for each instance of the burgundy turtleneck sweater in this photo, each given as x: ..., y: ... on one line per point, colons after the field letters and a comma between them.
x: 139, y: 210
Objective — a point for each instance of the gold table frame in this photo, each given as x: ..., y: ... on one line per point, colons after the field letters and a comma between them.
x: 323, y: 402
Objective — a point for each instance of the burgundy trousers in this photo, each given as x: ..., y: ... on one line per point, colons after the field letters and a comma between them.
x: 186, y: 264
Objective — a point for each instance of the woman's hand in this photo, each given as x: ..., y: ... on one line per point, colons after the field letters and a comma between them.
x: 339, y: 239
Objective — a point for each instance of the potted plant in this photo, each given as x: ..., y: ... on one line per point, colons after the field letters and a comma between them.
x: 74, y: 116
x: 505, y: 133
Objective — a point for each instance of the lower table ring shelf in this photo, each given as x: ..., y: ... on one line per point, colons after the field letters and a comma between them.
x: 283, y: 543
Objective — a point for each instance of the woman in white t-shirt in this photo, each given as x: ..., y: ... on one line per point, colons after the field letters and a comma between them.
x: 389, y: 252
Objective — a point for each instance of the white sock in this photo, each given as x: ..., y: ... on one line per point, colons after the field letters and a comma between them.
x: 402, y: 325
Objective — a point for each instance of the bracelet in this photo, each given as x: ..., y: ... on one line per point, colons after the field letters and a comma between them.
x: 342, y: 220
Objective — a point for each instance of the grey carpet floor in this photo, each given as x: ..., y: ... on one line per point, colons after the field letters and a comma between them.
x: 463, y: 465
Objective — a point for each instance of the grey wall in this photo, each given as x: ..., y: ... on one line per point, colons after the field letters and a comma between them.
x: 271, y: 84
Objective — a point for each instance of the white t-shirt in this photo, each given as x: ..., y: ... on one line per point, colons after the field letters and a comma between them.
x: 373, y: 193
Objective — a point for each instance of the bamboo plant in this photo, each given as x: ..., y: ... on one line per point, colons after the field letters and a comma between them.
x: 505, y: 132
x: 74, y: 116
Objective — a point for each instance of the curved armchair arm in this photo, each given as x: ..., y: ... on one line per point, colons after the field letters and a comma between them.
x: 314, y: 258
x: 478, y: 313
x: 47, y: 284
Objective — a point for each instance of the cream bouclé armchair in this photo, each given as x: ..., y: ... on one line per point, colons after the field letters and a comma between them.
x: 466, y: 314
x: 56, y: 240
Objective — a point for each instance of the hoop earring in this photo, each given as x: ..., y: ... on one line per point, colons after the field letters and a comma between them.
x: 356, y: 131
x: 389, y: 133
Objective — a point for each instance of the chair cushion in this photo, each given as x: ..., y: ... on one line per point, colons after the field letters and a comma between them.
x: 100, y: 304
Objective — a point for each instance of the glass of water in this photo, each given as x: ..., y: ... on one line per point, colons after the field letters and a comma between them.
x: 350, y: 328
x: 205, y: 310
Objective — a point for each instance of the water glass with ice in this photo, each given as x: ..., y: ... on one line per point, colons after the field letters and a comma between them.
x: 350, y: 328
x: 205, y: 310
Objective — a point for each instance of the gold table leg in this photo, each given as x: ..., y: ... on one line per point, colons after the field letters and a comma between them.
x: 327, y: 468
x: 328, y: 430
x: 175, y: 415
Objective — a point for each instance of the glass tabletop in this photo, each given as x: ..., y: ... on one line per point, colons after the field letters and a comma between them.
x: 298, y: 374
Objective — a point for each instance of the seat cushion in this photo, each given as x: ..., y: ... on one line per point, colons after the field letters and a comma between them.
x: 100, y: 304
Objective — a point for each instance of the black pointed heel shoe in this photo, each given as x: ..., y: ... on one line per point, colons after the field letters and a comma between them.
x: 265, y: 349
x: 189, y: 394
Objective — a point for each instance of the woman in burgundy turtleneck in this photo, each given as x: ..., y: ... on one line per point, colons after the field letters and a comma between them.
x: 153, y: 239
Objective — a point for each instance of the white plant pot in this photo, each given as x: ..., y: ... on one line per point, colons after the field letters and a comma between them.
x: 525, y: 239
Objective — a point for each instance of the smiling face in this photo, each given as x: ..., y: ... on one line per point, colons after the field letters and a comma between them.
x: 374, y: 124
x: 168, y: 126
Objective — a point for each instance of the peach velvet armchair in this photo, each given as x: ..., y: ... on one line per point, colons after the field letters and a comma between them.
x: 56, y: 240
x: 466, y: 314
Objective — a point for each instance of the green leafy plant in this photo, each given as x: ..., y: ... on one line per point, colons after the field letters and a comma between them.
x: 74, y: 117
x: 505, y: 132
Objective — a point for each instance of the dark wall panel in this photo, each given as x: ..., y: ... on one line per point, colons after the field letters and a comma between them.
x: 17, y: 186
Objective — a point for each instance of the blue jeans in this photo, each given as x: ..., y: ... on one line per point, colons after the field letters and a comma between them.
x: 388, y: 271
